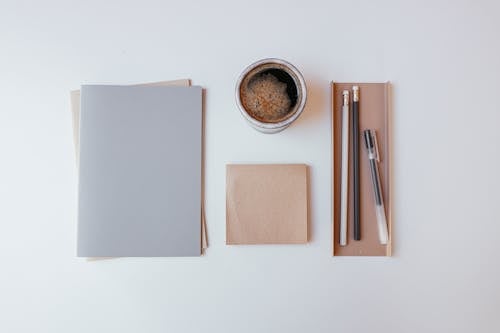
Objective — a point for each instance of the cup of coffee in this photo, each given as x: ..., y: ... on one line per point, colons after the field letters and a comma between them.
x: 271, y: 94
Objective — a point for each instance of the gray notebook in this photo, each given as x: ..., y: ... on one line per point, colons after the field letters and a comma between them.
x: 140, y: 171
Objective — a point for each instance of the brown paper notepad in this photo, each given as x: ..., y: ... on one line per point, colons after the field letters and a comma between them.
x: 374, y: 113
x: 266, y: 204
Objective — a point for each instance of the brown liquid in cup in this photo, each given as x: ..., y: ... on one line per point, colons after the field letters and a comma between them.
x: 269, y: 95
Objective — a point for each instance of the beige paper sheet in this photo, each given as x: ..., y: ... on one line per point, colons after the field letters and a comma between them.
x: 266, y: 204
x: 75, y: 113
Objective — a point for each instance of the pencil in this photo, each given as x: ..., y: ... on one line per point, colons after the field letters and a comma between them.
x: 355, y: 162
x: 344, y: 169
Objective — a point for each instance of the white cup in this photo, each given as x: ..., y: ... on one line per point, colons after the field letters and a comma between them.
x: 285, y: 73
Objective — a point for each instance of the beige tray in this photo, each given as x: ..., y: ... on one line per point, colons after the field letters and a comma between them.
x: 374, y: 113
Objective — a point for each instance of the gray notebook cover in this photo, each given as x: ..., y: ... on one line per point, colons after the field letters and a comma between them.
x: 140, y: 171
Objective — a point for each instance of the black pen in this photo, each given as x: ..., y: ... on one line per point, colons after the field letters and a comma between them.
x: 355, y: 161
x: 374, y: 157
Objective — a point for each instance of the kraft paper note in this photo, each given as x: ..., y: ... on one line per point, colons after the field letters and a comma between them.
x: 266, y: 204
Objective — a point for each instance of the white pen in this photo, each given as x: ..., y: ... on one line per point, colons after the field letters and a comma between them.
x: 371, y: 145
x: 344, y: 169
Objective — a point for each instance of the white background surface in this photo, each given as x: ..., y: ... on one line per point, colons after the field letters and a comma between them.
x: 444, y: 61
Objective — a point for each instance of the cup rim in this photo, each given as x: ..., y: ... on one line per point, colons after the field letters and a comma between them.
x: 298, y: 109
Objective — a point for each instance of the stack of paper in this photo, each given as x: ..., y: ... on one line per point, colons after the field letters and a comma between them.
x: 140, y: 170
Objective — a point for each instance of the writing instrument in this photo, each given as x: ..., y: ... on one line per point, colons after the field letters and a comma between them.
x: 344, y: 169
x: 355, y: 163
x: 371, y: 144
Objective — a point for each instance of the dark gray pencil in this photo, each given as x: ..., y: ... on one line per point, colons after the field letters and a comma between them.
x: 355, y: 161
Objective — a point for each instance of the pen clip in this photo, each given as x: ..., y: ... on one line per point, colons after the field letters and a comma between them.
x: 375, y: 145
